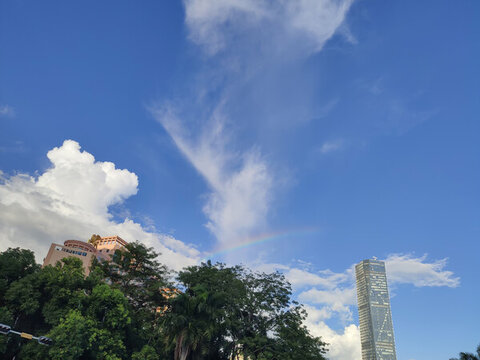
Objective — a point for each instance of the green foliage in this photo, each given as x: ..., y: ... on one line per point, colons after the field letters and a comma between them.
x: 72, y: 336
x: 147, y: 353
x: 228, y: 311
x: 94, y: 238
x: 23, y: 296
x: 136, y: 272
x: 63, y: 289
x: 221, y: 314
x: 469, y: 356
x: 294, y: 342
x: 109, y: 305
x: 6, y: 317
x: 15, y: 264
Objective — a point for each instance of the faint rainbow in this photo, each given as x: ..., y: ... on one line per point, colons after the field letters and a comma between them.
x: 263, y: 238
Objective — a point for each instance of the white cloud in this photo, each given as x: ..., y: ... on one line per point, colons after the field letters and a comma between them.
x: 205, y: 18
x: 330, y: 146
x: 343, y: 345
x: 213, y: 23
x: 326, y: 278
x: 406, y: 269
x: 7, y: 111
x: 254, y: 40
x: 76, y: 178
x: 240, y: 183
x: 317, y: 19
x: 337, y: 300
x: 71, y: 200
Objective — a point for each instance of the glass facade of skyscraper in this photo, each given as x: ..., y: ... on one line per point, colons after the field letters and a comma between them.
x: 376, y: 328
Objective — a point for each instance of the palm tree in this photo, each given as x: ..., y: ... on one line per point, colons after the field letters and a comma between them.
x: 190, y: 323
x: 469, y: 356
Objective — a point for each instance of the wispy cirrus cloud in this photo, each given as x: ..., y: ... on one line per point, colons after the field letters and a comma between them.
x: 331, y: 146
x: 213, y: 24
x: 247, y: 45
x: 17, y: 146
x: 7, y: 111
x: 240, y: 183
x: 391, y: 111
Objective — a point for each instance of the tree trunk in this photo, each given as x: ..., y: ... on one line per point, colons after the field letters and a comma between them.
x: 181, y: 351
x: 184, y: 353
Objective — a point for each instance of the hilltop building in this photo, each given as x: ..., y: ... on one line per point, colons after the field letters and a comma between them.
x: 376, y: 327
x: 106, y: 246
x: 71, y: 248
x: 101, y: 249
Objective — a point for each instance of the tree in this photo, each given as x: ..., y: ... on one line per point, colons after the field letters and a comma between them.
x: 63, y: 288
x: 147, y: 353
x: 97, y: 332
x: 469, y: 356
x: 222, y: 313
x: 6, y: 317
x: 136, y: 272
x: 85, y: 317
x: 140, y: 277
x: 193, y: 323
x: 94, y: 238
x: 216, y: 292
x: 265, y: 303
x: 294, y: 342
x: 15, y: 264
x: 226, y: 312
x: 72, y: 336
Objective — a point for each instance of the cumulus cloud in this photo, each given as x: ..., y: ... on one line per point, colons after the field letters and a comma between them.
x: 407, y: 269
x: 213, y: 23
x: 76, y: 178
x: 241, y: 183
x: 338, y: 300
x: 344, y: 345
x: 326, y: 278
x: 71, y: 200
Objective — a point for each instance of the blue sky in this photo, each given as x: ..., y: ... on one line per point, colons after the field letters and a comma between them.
x: 338, y: 129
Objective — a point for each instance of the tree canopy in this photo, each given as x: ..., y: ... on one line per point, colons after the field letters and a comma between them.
x: 134, y: 308
x: 94, y: 238
x: 469, y: 356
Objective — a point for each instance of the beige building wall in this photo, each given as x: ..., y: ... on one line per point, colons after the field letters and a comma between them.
x: 106, y: 246
x: 71, y: 248
x: 102, y: 249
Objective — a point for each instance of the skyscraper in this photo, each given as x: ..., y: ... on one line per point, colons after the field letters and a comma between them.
x: 376, y: 328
